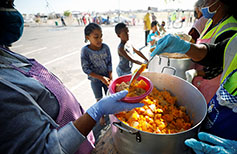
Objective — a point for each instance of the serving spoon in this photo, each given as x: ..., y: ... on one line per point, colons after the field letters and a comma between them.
x: 137, y: 73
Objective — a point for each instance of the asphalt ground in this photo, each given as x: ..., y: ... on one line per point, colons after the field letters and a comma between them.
x: 58, y: 49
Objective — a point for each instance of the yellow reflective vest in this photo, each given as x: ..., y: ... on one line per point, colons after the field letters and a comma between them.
x: 230, y: 57
x: 224, y: 26
x: 230, y: 64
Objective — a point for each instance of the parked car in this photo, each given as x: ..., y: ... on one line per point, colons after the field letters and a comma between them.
x: 123, y: 19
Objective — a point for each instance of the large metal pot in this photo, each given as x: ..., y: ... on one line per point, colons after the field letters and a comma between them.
x: 128, y: 140
x: 164, y: 64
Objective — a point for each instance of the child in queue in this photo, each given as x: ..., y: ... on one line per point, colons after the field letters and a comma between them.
x: 125, y: 58
x: 96, y: 61
x: 152, y: 37
x: 162, y: 28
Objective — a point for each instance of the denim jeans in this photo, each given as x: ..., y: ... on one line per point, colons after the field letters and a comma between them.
x: 121, y: 73
x: 97, y: 87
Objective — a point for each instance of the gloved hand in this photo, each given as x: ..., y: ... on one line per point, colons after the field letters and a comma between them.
x: 111, y: 105
x: 171, y: 44
x: 190, y: 74
x: 218, y: 145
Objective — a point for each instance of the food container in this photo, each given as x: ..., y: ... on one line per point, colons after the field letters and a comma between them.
x: 126, y: 78
x: 128, y: 140
x: 175, y: 66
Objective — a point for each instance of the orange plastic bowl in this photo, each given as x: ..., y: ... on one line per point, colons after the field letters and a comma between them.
x: 126, y: 78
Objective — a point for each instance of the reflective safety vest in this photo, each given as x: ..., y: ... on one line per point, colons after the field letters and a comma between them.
x: 230, y: 64
x: 224, y: 26
x: 230, y: 57
x: 222, y: 109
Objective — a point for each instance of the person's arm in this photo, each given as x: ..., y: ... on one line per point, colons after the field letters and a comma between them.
x: 85, y: 61
x: 109, y: 64
x: 27, y: 127
x: 215, y: 54
x: 194, y: 33
x: 151, y: 40
x: 35, y: 131
x: 197, y: 52
x: 107, y: 105
x: 204, y: 54
x: 84, y: 124
x: 103, y: 79
x: 158, y: 33
x: 110, y: 75
x: 208, y: 54
x: 140, y: 54
x: 163, y: 28
x: 123, y: 53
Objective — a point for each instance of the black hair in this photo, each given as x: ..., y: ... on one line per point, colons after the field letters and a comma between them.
x: 7, y: 3
x: 90, y: 28
x: 231, y: 8
x: 199, y: 4
x: 154, y: 23
x: 119, y: 27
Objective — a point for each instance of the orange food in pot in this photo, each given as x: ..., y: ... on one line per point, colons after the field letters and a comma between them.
x: 160, y: 114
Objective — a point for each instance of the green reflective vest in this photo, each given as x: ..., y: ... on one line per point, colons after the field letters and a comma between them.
x: 230, y: 64
x: 227, y: 25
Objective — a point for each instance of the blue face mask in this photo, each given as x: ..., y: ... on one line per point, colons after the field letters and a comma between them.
x: 11, y: 27
x: 207, y: 13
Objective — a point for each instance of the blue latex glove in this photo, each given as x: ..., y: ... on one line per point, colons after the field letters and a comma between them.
x: 171, y: 44
x: 218, y: 145
x: 111, y: 105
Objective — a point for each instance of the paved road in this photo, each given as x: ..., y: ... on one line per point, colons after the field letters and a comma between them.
x: 58, y: 48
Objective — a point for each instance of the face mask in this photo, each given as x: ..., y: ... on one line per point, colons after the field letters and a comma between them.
x: 11, y: 27
x: 207, y: 13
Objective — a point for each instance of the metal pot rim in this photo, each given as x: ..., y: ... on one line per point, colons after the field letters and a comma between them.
x: 179, y: 133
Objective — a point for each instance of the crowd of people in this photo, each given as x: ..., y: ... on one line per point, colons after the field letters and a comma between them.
x: 87, y: 18
x: 130, y: 19
x: 40, y: 115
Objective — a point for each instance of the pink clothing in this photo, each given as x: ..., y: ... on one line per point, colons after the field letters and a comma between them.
x: 199, y: 25
x: 207, y: 87
x: 70, y: 109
